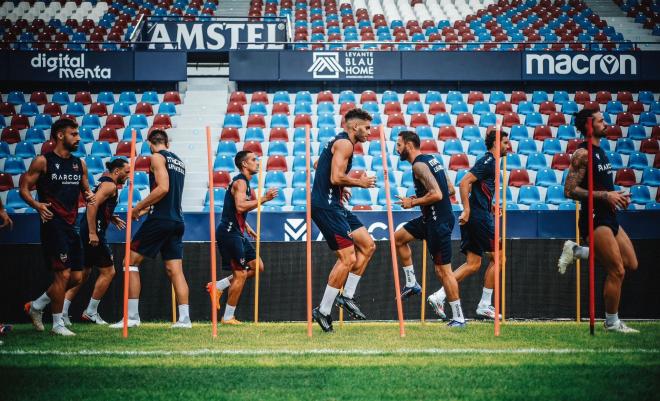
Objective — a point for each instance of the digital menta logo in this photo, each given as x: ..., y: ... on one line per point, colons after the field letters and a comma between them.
x: 580, y: 64
x: 70, y: 66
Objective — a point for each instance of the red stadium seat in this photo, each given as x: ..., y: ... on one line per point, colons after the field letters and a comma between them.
x: 625, y: 119
x: 649, y: 145
x: 510, y: 119
x: 276, y: 163
x: 108, y: 134
x: 411, y: 96
x: 418, y: 119
x: 464, y: 119
x: 518, y: 178
x: 429, y: 146
x: 256, y: 120
x: 7, y: 109
x: 547, y: 107
x: 503, y: 108
x: 518, y: 96
x: 581, y: 97
x: 613, y: 132
x: 230, y: 134
x: 392, y: 108
x: 254, y: 147
x: 144, y: 109
x: 143, y: 163
x: 221, y: 179
x: 123, y: 149
x: 624, y: 97
x: 655, y: 133
x: 374, y: 133
x: 100, y: 109
x: 39, y: 98
x: 358, y: 149
x: 572, y: 145
x: 172, y: 97
x: 636, y: 108
x: 561, y: 161
x: 656, y: 162
x: 6, y: 183
x: 396, y: 119
x: 281, y: 108
x: 475, y: 96
x: 368, y: 96
x: 279, y: 134
x: 346, y: 107
x: 83, y: 97
x: 447, y: 132
x: 459, y: 161
x: 437, y: 107
x: 162, y: 121
x: 115, y: 121
x: 20, y: 121
x: 10, y: 135
x: 625, y: 177
x: 542, y: 132
x: 239, y: 97
x: 325, y: 96
x: 235, y: 108
x: 592, y: 106
x: 302, y: 120
x: 602, y: 97
x: 556, y: 119
x: 46, y: 147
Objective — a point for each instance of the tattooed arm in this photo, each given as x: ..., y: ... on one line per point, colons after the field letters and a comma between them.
x: 433, y: 193
x: 576, y: 173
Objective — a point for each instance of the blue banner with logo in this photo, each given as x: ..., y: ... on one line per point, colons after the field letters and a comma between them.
x: 215, y: 35
x: 106, y: 66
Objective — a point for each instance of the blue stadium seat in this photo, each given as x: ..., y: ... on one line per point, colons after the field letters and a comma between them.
x: 441, y: 119
x: 560, y: 97
x: 299, y: 198
x: 43, y: 121
x: 138, y: 121
x: 645, y: 97
x: 615, y: 160
x: 648, y: 119
x: 14, y: 200
x: 636, y: 132
x: 470, y: 133
x: 640, y: 194
x: 370, y: 107
x: 518, y: 133
x: 94, y: 164
x: 128, y: 97
x: 275, y: 179
x: 496, y: 97
x: 407, y: 179
x: 414, y: 108
x: 480, y: 108
x: 539, y: 206
x: 513, y: 162
x: 325, y: 108
x: 281, y: 97
x: 569, y: 107
x: 121, y: 108
x: 477, y: 147
x: 75, y: 109
x: 360, y: 197
x: 432, y: 96
x: 487, y: 120
x: 527, y: 146
x: 529, y: 195
x: 167, y: 108
x: 605, y: 144
x: 525, y: 107
x: 625, y: 146
x: 568, y: 205
x: 380, y: 179
x: 299, y: 163
x: 326, y: 120
x: 101, y: 149
x: 545, y: 178
x: 512, y: 206
x: 218, y: 197
x: 277, y: 148
x: 651, y: 177
x: 614, y: 107
x: 35, y: 135
x: 61, y: 98
x: 566, y: 132
x: 141, y: 180
x: 551, y: 146
x: 389, y: 96
x: 150, y: 97
x: 376, y: 164
x: 91, y: 121
x: 81, y: 151
x: 652, y: 206
x: 258, y: 108
x: 24, y: 150
x: 299, y: 148
x: 223, y: 163
x: 536, y: 161
x: 533, y: 119
x: 277, y: 202
x: 232, y: 121
x: 382, y: 199
x: 458, y: 108
x: 299, y: 179
x: 346, y: 96
x: 29, y: 109
x: 123, y: 197
x: 452, y: 147
x: 454, y: 97
x: 539, y: 97
x: 459, y: 176
x: 374, y: 148
x: 226, y: 148
x: 423, y: 131
x: 279, y: 121
x: 326, y: 134
x: 16, y: 98
x: 359, y: 163
x: 638, y: 161
x: 655, y: 107
x: 4, y: 150
x: 254, y: 134
x: 106, y: 98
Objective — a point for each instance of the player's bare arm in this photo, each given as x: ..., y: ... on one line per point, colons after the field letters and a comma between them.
x: 243, y: 205
x: 433, y: 193
x: 105, y: 191
x: 84, y: 185
x: 159, y: 169
x: 37, y: 167
x: 464, y: 189
x: 341, y: 152
x: 576, y: 173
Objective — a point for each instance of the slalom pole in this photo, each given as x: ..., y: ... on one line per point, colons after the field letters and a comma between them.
x: 173, y: 304
x: 504, y: 191
x: 423, y: 309
x: 578, y: 302
x: 590, y: 149
x: 260, y: 187
x: 129, y: 220
x: 308, y: 217
x: 390, y: 224
x: 496, y: 242
x: 214, y: 295
x: 341, y: 310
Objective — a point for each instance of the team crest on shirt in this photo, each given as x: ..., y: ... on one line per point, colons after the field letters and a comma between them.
x: 75, y: 167
x: 57, y: 166
x: 242, y: 261
x: 64, y: 257
x: 597, y: 156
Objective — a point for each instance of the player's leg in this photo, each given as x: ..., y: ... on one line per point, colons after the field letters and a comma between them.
x: 346, y: 259
x: 628, y: 255
x: 174, y: 269
x: 450, y: 284
x: 471, y: 266
x: 78, y: 278
x: 409, y: 232
x: 364, y: 250
x: 235, y: 291
x: 106, y: 274
x: 239, y: 250
x: 134, y: 287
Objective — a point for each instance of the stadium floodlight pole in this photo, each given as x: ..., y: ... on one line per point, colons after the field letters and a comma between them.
x: 590, y: 210
x: 260, y: 187
x: 505, y: 188
x: 578, y: 302
x: 390, y: 226
x: 214, y: 294
x: 496, y: 219
x: 308, y: 217
x: 129, y: 220
x: 423, y: 308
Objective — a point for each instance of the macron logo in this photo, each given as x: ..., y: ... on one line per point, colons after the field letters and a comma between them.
x: 326, y: 65
x: 580, y: 64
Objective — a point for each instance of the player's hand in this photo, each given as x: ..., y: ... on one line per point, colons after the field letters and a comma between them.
x: 251, y: 232
x: 618, y: 199
x: 93, y: 239
x: 366, y: 182
x: 270, y: 194
x: 405, y: 203
x: 139, y: 212
x: 44, y: 212
x: 346, y: 195
x: 464, y: 217
x: 118, y: 222
x: 6, y: 220
x: 90, y: 197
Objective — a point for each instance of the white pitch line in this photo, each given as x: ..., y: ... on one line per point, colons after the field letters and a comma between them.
x: 357, y: 352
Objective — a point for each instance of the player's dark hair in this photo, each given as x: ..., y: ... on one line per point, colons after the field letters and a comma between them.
x: 581, y: 119
x: 357, y: 114
x: 490, y: 138
x: 411, y: 137
x: 240, y: 158
x: 60, y: 125
x: 158, y: 136
x: 118, y: 162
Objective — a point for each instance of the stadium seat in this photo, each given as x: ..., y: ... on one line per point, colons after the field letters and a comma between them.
x: 624, y: 146
x: 528, y: 195
x: 651, y: 177
x: 536, y: 161
x: 276, y: 163
x: 625, y: 119
x: 640, y: 194
x: 6, y: 182
x: 382, y: 198
x: 539, y: 206
x: 648, y: 119
x: 513, y: 162
x: 224, y: 163
x: 477, y: 147
x: 114, y: 121
x: 275, y: 179
x: 534, y: 119
x: 551, y: 146
x: 14, y: 200
x: 525, y: 108
x: 128, y: 97
x: 257, y: 120
x: 218, y: 198
x: 459, y: 161
x: 4, y: 150
x: 542, y: 132
x: 123, y: 197
x: 518, y: 178
x: 24, y: 150
x: 487, y: 119
x: 430, y: 146
x: 257, y: 108
x: 615, y: 160
x: 440, y: 120
x: 35, y: 135
x: 276, y: 121
x: 95, y: 164
x: 625, y: 177
x: 299, y: 197
x: 42, y: 121
x: 636, y: 132
x: 233, y: 121
x: 227, y: 148
x: 10, y: 135
x: 649, y: 145
x: 614, y: 107
x: 527, y: 146
x: 150, y: 97
x: 304, y: 120
x: 510, y: 119
x: 19, y: 121
x: 545, y: 178
x: 464, y: 119
x: 29, y: 109
x: 52, y: 109
x: 254, y: 147
x: 277, y: 148
x: 459, y: 108
x: 637, y: 161
x: 360, y: 197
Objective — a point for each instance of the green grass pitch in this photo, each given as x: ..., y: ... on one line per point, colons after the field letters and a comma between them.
x: 359, y: 361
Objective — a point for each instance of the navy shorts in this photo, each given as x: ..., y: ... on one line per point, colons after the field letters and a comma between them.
x: 160, y: 236
x: 61, y: 245
x: 478, y: 235
x: 100, y: 255
x: 336, y: 225
x: 236, y: 251
x: 600, y: 219
x: 437, y: 236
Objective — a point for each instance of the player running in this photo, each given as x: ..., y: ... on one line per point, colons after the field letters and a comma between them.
x: 162, y: 232
x: 60, y: 178
x: 236, y: 251
x: 342, y: 230
x: 613, y: 248
x: 435, y: 225
x: 96, y: 251
x: 477, y: 227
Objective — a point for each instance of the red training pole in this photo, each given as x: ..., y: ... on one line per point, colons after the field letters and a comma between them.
x: 214, y: 294
x: 390, y: 224
x: 129, y: 219
x: 590, y: 175
x: 496, y: 219
x: 308, y: 212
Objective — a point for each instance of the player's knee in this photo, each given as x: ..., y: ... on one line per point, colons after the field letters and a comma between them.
x: 108, y: 272
x: 617, y: 273
x: 632, y: 264
x: 63, y: 276
x: 349, y: 260
x: 370, y: 248
x: 473, y: 266
x: 399, y: 239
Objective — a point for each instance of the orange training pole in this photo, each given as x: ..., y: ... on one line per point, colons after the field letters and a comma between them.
x: 308, y: 185
x: 590, y: 210
x: 578, y: 303
x: 423, y: 308
x: 129, y: 219
x: 390, y: 223
x: 214, y: 301
x: 260, y: 187
x: 496, y: 243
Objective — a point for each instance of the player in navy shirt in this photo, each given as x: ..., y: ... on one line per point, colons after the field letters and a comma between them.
x: 613, y: 248
x: 96, y: 251
x: 162, y: 231
x: 341, y: 229
x: 236, y: 252
x: 477, y: 226
x: 432, y: 192
x: 60, y: 179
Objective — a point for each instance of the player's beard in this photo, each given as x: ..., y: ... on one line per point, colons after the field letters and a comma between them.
x: 403, y: 155
x: 71, y: 147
